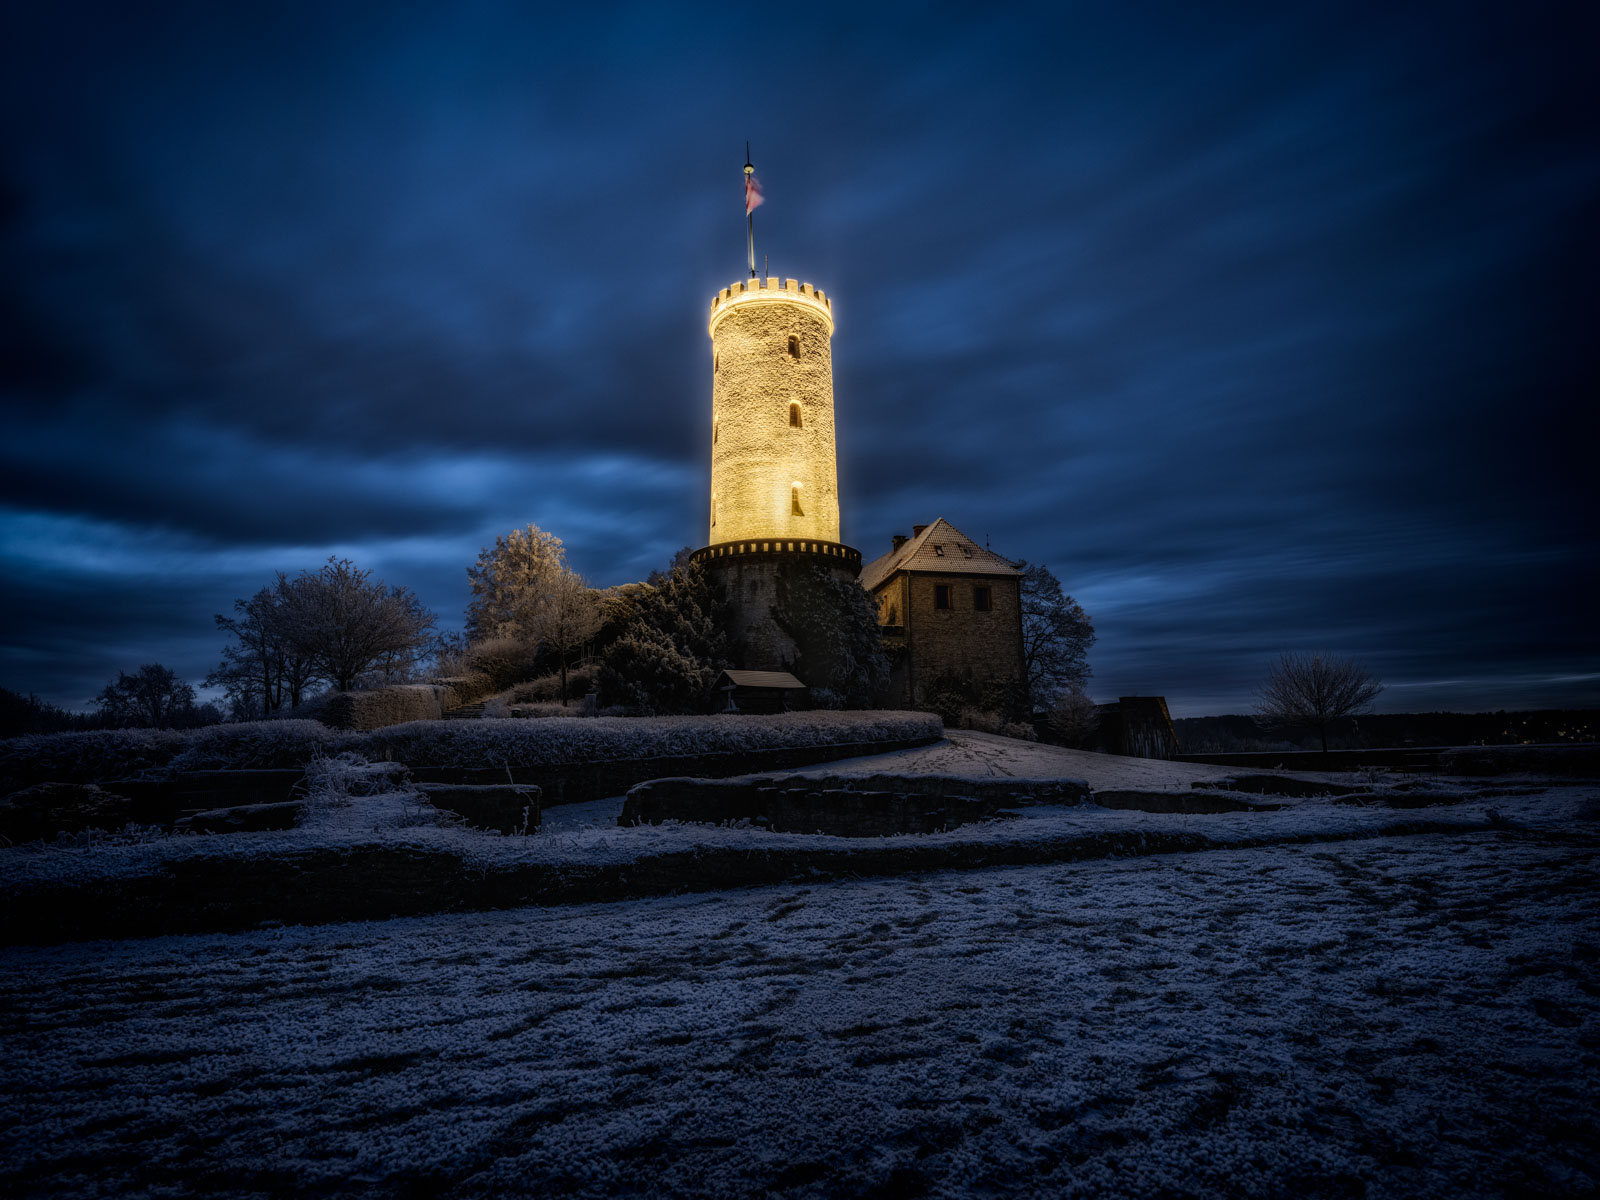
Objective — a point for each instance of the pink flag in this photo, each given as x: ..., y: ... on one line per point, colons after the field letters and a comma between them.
x: 753, y: 198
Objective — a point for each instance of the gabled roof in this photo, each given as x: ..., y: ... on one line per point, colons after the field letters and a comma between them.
x: 761, y: 679
x: 940, y: 547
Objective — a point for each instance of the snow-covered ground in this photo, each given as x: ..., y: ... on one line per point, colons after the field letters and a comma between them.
x: 1407, y: 1016
x: 966, y: 753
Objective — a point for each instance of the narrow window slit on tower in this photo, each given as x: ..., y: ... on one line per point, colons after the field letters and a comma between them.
x: 794, y: 415
x: 794, y: 346
x: 794, y: 501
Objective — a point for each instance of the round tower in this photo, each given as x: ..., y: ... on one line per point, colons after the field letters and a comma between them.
x: 774, y: 478
x: 773, y: 473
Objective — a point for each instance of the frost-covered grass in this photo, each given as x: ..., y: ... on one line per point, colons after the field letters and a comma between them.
x: 1412, y: 1017
x: 122, y: 753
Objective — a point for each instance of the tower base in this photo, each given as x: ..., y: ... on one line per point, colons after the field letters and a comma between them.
x: 751, y: 575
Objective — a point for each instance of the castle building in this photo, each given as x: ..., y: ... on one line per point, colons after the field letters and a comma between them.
x: 774, y: 476
x: 947, y: 604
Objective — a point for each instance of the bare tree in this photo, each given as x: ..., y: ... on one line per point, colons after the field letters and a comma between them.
x: 1056, y: 635
x: 346, y: 623
x: 262, y: 668
x: 1073, y: 719
x: 153, y: 697
x: 1314, y: 690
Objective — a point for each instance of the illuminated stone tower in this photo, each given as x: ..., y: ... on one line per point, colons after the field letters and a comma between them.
x: 774, y: 479
x: 772, y: 443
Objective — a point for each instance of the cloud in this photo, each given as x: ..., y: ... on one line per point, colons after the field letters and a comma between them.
x: 1261, y: 330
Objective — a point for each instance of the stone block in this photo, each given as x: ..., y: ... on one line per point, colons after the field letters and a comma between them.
x: 242, y: 818
x: 503, y: 807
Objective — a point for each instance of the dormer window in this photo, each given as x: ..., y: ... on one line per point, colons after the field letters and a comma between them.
x: 794, y: 346
x: 939, y: 550
x: 794, y: 415
x: 966, y: 550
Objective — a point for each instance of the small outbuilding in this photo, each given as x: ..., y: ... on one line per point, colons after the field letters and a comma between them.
x: 1138, y: 727
x: 761, y: 691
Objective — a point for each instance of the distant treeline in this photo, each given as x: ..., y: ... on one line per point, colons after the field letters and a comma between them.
x: 1240, y: 733
x: 28, y: 714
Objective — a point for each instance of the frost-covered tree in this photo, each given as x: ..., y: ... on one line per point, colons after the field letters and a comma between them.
x: 1056, y: 635
x: 346, y: 623
x: 671, y: 645
x: 508, y: 578
x: 524, y: 591
x: 1314, y: 690
x: 569, y: 617
x: 834, y: 625
x: 153, y: 697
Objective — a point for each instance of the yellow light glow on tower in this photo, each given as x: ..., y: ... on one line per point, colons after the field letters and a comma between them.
x: 774, y: 472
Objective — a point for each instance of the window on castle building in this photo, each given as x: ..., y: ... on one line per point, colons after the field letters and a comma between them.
x: 715, y: 427
x: 941, y: 595
x: 982, y: 599
x: 966, y: 550
x: 713, y: 512
x: 939, y: 550
x: 794, y: 501
x: 794, y: 415
x: 794, y: 346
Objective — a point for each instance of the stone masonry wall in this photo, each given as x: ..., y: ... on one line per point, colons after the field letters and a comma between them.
x: 983, y: 646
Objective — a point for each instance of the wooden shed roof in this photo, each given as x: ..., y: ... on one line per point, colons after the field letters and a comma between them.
x: 760, y: 679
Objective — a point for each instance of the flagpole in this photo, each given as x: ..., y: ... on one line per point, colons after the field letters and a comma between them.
x: 749, y: 170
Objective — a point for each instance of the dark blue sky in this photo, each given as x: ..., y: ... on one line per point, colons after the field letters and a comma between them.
x: 1266, y: 328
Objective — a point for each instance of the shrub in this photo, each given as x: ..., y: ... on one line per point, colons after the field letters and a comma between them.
x: 580, y: 681
x: 100, y: 755
x: 566, y: 740
x: 505, y: 661
x: 834, y: 624
x: 671, y: 645
x: 985, y: 721
x: 468, y: 688
x: 1073, y: 721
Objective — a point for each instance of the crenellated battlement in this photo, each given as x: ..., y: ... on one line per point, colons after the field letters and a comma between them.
x: 770, y: 291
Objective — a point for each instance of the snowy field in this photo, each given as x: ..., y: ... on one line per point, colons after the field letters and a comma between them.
x: 1401, y: 1016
